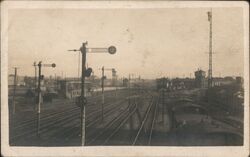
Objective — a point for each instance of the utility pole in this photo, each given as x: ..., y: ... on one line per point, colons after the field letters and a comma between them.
x: 35, y: 75
x: 129, y: 89
x: 115, y: 82
x: 55, y: 84
x: 210, y: 72
x: 87, y: 73
x: 163, y: 104
x: 35, y: 84
x: 103, y: 77
x: 79, y: 59
x: 129, y: 103
x: 14, y: 92
x: 39, y: 97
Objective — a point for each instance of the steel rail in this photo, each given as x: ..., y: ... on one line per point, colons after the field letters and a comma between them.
x: 52, y: 114
x: 119, y: 126
x: 58, y: 120
x: 108, y: 107
x: 89, y: 122
x: 143, y: 122
x: 153, y: 123
x: 106, y: 127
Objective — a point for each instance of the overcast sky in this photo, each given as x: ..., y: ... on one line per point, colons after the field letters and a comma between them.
x: 149, y: 42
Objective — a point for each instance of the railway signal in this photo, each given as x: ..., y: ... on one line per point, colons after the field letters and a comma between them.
x: 88, y: 72
x: 84, y: 50
x: 112, y: 50
x: 40, y: 77
x: 103, y: 78
x: 130, y: 77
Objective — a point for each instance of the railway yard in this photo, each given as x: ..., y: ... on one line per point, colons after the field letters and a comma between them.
x: 125, y: 79
x: 130, y: 117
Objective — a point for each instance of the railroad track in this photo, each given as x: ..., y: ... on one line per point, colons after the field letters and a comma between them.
x: 91, y: 119
x: 52, y: 122
x: 59, y: 119
x: 119, y: 126
x: 93, y: 102
x: 103, y: 136
x: 145, y: 131
x: 115, y: 123
x: 66, y: 106
x: 74, y: 132
x: 109, y: 134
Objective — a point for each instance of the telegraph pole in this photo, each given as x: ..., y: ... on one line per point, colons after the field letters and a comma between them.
x: 39, y: 97
x: 87, y: 73
x: 35, y: 74
x: 116, y: 84
x: 129, y: 88
x: 79, y: 64
x: 35, y: 84
x: 102, y: 90
x: 210, y: 72
x: 14, y: 92
x: 163, y: 103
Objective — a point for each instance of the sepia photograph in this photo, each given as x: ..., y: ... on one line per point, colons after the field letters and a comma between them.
x: 129, y: 75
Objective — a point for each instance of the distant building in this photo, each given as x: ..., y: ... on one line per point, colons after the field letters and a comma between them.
x: 188, y: 83
x: 20, y: 80
x: 239, y: 80
x: 11, y: 80
x: 125, y: 82
x: 107, y: 82
x: 177, y: 83
x: 30, y: 81
x: 219, y: 81
x: 71, y: 88
x: 200, y: 79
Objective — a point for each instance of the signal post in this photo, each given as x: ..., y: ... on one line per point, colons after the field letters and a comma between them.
x: 102, y: 79
x: 40, y: 77
x: 87, y: 73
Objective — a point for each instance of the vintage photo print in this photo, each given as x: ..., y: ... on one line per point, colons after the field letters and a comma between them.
x: 124, y: 78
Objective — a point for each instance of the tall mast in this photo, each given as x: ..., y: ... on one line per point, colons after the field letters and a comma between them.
x: 210, y: 71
